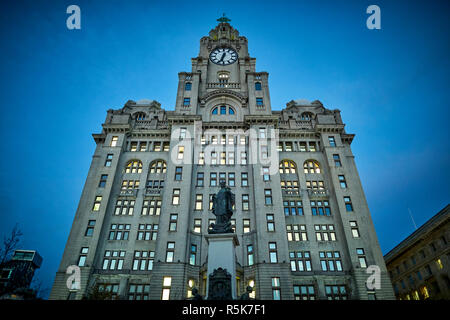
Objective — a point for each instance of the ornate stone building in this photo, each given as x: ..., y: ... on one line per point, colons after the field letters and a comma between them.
x: 301, y: 217
x: 419, y: 266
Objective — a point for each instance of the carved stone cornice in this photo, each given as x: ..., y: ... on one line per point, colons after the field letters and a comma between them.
x: 119, y: 128
x: 183, y: 118
x: 262, y: 119
x: 223, y: 92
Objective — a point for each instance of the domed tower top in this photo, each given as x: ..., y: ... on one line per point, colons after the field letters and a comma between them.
x: 224, y: 30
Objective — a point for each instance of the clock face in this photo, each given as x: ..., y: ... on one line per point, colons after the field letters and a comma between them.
x: 223, y: 56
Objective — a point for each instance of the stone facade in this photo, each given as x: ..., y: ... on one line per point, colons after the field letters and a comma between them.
x: 285, y: 168
x: 419, y: 265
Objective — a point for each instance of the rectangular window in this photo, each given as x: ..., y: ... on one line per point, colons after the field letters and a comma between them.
x: 167, y: 283
x: 90, y: 228
x: 321, y: 208
x: 259, y: 102
x: 300, y: 261
x: 243, y: 158
x: 332, y: 141
x: 337, y: 160
x: 119, y: 232
x: 223, y: 158
x: 222, y: 177
x: 354, y: 228
x: 250, y: 255
x: 201, y: 158
x: 270, y: 223
x: 180, y: 155
x: 361, y: 258
x: 176, y: 197
x: 213, y: 179
x: 336, y: 292
x: 138, y: 291
x: 231, y: 158
x: 108, y: 160
x: 312, y: 146
x: 213, y: 158
x: 166, y: 146
x: 264, y: 152
x: 273, y: 257
x: 187, y: 102
x: 173, y: 222
x: 113, y: 260
x: 97, y: 202
x: 192, y: 255
x: 147, y: 232
x: 124, y: 207
x: 211, y: 202
x: 197, y: 225
x: 143, y: 146
x: 151, y: 207
x: 199, y: 202
x: 114, y: 141
x: 262, y: 133
x: 246, y: 225
x: 330, y: 261
x: 170, y: 251
x: 276, y: 291
x: 83, y: 256
x: 182, y: 133
x: 303, y: 146
x: 245, y: 202
x: 288, y: 146
x: 200, y: 179
x: 293, y: 208
x: 268, y: 197
x: 157, y: 146
x: 348, y: 204
x: 231, y: 179
x: 266, y: 175
x: 143, y: 260
x: 304, y: 292
x: 296, y: 232
x: 325, y: 232
x: 133, y: 146
x: 342, y: 181
x: 178, y: 173
x: 244, y: 179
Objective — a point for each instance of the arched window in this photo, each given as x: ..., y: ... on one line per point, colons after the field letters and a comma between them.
x: 311, y: 166
x: 307, y: 116
x: 258, y: 86
x: 223, y: 110
x: 134, y: 166
x: 287, y: 166
x: 140, y: 116
x: 188, y: 86
x: 158, y: 166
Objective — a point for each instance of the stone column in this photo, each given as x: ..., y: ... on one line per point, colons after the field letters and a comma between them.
x: 222, y: 254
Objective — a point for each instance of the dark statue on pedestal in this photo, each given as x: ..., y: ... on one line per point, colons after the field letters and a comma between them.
x: 222, y: 208
x: 220, y: 285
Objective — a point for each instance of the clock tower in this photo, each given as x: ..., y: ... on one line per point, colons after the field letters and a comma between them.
x: 223, y: 74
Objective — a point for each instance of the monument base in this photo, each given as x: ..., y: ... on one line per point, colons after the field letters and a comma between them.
x: 222, y: 254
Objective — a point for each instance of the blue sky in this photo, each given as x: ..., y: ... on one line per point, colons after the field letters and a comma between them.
x: 392, y: 86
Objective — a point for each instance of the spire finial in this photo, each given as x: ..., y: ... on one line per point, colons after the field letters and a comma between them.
x: 223, y: 19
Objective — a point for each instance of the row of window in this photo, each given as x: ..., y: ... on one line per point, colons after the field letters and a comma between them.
x: 301, y: 291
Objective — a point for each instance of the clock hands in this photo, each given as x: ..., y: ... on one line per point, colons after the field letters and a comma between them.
x: 223, y: 56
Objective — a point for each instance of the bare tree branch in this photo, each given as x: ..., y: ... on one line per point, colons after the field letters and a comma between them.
x: 10, y: 244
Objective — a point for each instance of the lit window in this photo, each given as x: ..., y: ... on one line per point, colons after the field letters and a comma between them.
x: 180, y: 155
x: 83, y: 255
x: 199, y: 202
x: 134, y: 166
x: 354, y: 228
x: 197, y: 225
x: 246, y: 225
x: 98, y: 200
x: 176, y: 197
x: 167, y: 282
x: 114, y: 141
x: 158, y: 166
x: 439, y: 264
x: 311, y: 166
x: 287, y: 166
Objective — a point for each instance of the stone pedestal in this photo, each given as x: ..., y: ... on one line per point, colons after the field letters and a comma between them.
x: 222, y: 254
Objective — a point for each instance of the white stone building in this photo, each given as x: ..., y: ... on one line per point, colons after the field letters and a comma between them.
x: 301, y: 217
